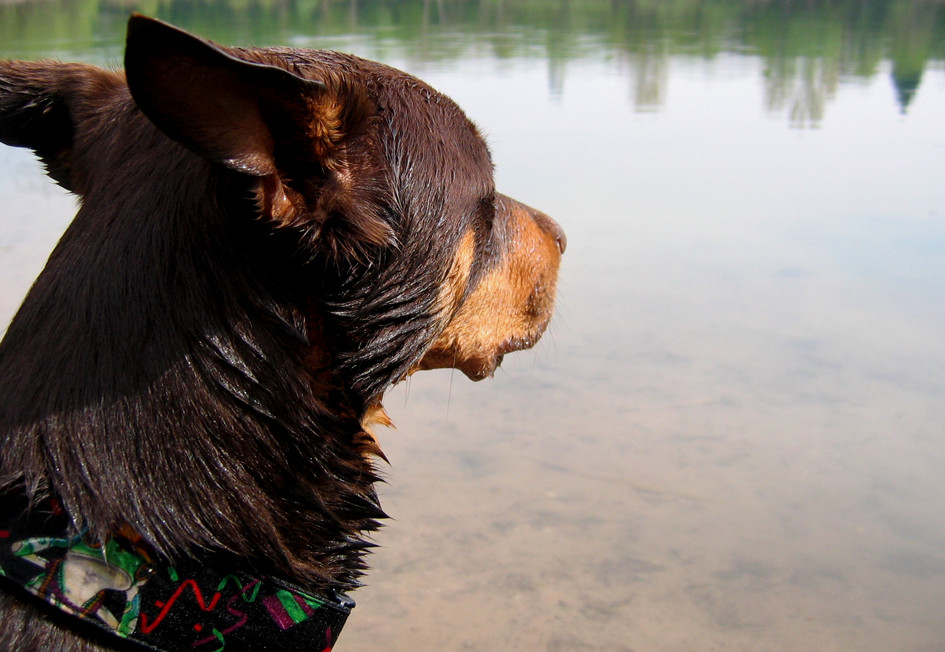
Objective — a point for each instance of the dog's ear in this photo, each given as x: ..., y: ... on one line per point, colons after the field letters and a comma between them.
x: 221, y: 107
x: 41, y: 104
x: 232, y: 108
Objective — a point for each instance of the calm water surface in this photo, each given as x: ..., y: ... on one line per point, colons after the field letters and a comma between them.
x: 733, y: 435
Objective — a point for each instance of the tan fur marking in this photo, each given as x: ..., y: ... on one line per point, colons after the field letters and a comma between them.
x: 375, y: 415
x: 510, y: 307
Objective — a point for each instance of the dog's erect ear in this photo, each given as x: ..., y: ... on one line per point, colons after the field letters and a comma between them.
x: 217, y: 105
x: 230, y: 108
x: 41, y: 105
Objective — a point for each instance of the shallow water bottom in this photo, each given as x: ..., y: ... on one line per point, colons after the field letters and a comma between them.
x: 660, y: 527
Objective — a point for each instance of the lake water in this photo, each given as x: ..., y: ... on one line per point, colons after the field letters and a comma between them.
x: 733, y: 435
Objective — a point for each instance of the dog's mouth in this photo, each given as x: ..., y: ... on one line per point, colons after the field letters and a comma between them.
x: 481, y: 364
x: 518, y: 344
x: 477, y: 341
x: 480, y: 367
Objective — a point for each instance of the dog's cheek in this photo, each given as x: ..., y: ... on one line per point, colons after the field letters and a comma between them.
x: 457, y: 279
x: 458, y: 339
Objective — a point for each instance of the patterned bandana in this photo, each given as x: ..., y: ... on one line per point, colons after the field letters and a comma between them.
x: 124, y: 588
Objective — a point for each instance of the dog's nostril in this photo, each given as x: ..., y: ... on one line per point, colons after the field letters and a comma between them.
x: 554, y: 229
x: 562, y: 240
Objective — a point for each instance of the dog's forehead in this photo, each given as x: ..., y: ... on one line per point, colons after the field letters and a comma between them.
x: 389, y: 84
x: 303, y: 60
x: 315, y: 64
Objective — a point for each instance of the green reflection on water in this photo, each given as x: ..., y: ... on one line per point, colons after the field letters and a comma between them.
x: 807, y: 47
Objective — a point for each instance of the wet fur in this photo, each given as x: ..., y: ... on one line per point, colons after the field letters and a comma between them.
x: 201, y: 353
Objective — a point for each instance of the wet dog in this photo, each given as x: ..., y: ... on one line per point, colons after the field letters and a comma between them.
x: 267, y: 240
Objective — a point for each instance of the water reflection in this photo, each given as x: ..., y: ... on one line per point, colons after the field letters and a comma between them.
x: 807, y: 48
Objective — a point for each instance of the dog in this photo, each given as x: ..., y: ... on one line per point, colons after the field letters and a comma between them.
x: 267, y: 239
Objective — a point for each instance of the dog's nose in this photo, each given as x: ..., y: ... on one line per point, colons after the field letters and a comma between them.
x: 545, y: 223
x: 552, y: 228
x: 559, y: 236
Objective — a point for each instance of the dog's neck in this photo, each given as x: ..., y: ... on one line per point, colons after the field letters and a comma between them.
x: 178, y: 396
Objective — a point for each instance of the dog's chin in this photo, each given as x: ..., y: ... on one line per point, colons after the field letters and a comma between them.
x: 483, y: 366
x: 479, y: 368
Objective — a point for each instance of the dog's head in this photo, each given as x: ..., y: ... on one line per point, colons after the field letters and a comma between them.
x: 376, y: 188
x: 384, y: 183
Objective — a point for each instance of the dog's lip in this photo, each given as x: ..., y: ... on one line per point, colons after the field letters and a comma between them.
x: 523, y: 342
x: 516, y: 344
x: 486, y: 368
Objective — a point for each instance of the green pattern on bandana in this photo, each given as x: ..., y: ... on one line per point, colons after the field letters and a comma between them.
x: 123, y: 587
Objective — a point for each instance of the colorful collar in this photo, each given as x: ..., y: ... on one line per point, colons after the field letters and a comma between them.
x: 124, y: 588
